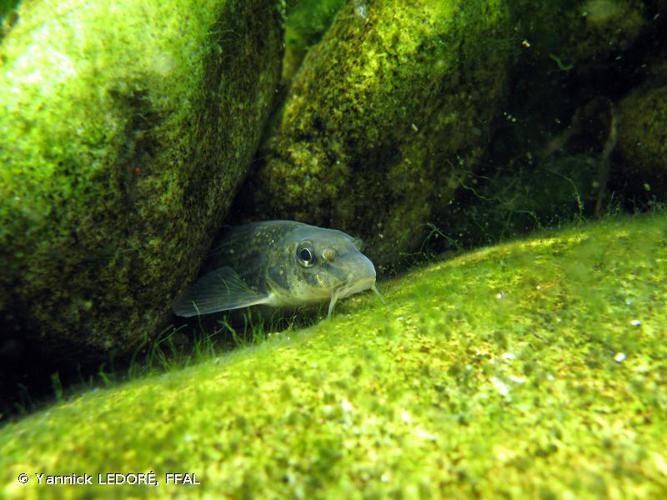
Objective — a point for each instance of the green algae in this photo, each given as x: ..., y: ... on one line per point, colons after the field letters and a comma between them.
x: 532, y: 368
x: 119, y: 157
x: 390, y: 109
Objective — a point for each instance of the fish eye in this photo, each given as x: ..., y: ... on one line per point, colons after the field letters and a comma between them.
x: 305, y: 256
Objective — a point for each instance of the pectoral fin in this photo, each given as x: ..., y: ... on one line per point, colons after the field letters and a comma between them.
x: 219, y: 290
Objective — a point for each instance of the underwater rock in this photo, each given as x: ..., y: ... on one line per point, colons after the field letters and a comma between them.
x: 642, y: 147
x: 125, y: 128
x: 503, y: 372
x: 385, y: 115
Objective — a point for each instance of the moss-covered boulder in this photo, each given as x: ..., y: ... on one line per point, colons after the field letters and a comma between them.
x: 642, y: 144
x: 572, y: 54
x: 125, y: 127
x: 530, y: 369
x: 384, y: 117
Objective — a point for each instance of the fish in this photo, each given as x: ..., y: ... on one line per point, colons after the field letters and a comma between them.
x: 278, y: 263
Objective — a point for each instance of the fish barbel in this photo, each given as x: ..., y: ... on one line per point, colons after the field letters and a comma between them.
x: 278, y: 263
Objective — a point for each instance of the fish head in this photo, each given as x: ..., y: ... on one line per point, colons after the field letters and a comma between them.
x: 317, y: 264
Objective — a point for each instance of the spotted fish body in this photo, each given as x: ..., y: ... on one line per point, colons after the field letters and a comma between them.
x: 278, y: 263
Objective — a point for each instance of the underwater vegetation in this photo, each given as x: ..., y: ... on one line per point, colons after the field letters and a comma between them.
x: 532, y: 368
x: 133, y: 132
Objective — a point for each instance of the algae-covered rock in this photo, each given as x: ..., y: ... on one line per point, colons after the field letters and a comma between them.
x: 125, y: 127
x: 524, y: 370
x: 642, y: 145
x: 385, y: 115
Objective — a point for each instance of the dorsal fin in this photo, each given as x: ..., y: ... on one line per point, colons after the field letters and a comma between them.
x: 219, y: 290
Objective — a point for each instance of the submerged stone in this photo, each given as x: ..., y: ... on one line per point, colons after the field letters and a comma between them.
x: 125, y: 128
x: 446, y: 387
x: 385, y: 116
x: 570, y: 34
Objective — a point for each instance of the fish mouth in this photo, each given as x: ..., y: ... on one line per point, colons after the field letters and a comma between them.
x: 350, y: 288
x: 361, y: 278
